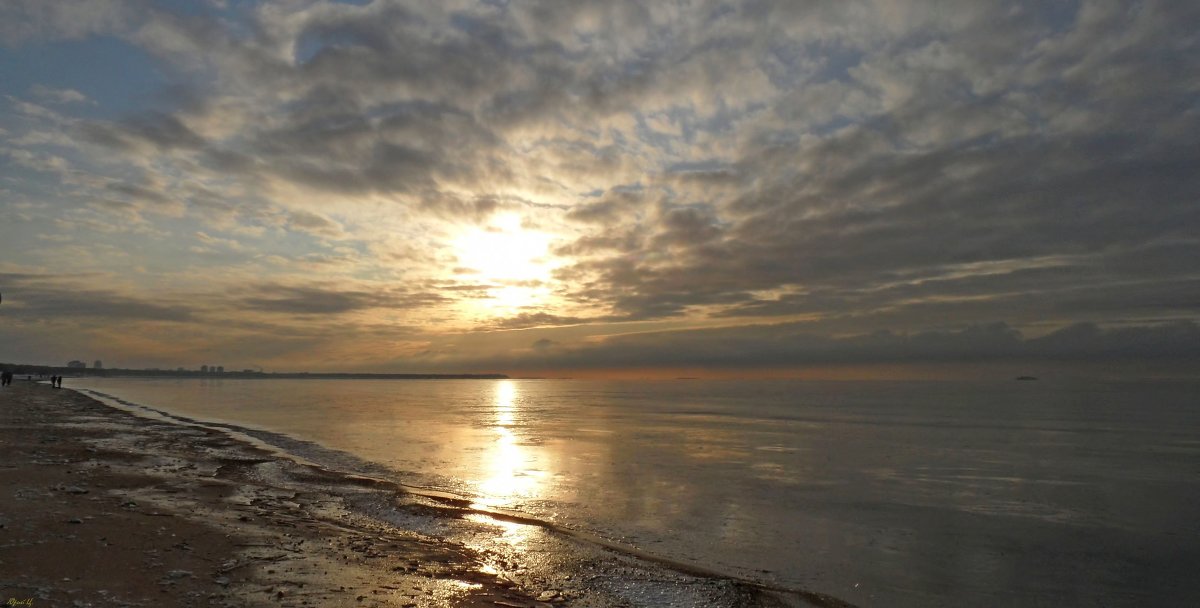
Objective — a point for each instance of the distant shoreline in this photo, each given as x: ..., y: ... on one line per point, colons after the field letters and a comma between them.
x: 46, y: 370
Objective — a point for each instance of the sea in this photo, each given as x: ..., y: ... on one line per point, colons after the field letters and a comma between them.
x: 885, y: 493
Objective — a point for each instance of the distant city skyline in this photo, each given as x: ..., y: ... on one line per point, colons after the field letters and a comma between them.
x: 692, y: 188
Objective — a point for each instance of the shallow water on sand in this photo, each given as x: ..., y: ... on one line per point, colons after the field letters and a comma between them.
x: 880, y: 493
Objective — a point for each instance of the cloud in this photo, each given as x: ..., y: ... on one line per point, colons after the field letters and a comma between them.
x: 614, y: 206
x: 314, y: 224
x: 152, y: 197
x: 536, y: 319
x: 215, y: 241
x: 44, y: 162
x: 307, y: 300
x: 152, y: 132
x: 34, y: 297
x: 22, y: 21
x: 884, y: 166
x: 320, y: 300
x: 1086, y: 340
x: 55, y: 95
x: 544, y: 345
x: 795, y: 345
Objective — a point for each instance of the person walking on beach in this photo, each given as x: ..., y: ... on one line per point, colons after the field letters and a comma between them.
x: 6, y: 378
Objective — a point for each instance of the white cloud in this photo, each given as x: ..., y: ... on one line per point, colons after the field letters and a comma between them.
x: 62, y: 96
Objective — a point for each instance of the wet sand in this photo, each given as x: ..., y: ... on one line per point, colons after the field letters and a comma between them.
x: 101, y: 507
x: 104, y: 508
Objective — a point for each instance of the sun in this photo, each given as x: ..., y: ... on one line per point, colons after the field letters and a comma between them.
x: 513, y: 261
x: 504, y: 251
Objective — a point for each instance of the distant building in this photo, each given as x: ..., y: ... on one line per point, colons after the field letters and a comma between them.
x: 98, y: 364
x: 247, y: 371
x: 179, y: 369
x: 204, y: 369
x: 76, y: 364
x: 220, y: 369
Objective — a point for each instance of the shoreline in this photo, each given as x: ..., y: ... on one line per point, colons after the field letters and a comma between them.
x: 262, y: 527
x: 110, y: 509
x: 457, y: 506
x: 42, y: 371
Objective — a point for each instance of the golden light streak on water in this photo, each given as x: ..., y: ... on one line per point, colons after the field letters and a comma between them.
x: 510, y: 475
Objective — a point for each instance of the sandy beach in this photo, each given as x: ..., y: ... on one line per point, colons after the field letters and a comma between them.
x: 105, y: 508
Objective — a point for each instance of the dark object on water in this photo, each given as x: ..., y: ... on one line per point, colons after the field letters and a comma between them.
x: 1026, y: 377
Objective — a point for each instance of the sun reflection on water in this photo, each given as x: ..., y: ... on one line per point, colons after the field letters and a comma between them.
x: 511, y: 533
x: 510, y: 472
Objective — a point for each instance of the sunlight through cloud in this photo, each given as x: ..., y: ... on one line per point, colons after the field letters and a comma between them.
x: 510, y: 259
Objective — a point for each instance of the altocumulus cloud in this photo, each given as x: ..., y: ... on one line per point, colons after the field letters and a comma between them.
x: 908, y: 174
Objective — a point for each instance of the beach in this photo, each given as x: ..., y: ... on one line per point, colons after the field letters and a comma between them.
x: 102, y: 507
x: 596, y: 494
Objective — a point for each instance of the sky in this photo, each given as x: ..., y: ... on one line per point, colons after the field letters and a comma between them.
x: 590, y: 188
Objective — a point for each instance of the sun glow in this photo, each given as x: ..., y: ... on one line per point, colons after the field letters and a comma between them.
x: 511, y: 260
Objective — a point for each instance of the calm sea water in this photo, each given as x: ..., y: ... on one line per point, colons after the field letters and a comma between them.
x: 881, y: 493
